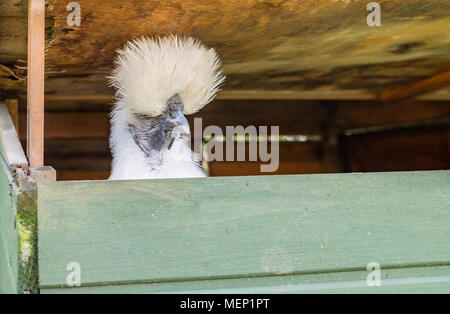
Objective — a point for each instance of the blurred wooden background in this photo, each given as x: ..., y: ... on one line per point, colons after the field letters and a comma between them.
x: 332, y: 136
x: 357, y: 98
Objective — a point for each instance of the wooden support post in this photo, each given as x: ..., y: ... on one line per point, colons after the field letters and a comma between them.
x: 333, y: 158
x: 35, y: 82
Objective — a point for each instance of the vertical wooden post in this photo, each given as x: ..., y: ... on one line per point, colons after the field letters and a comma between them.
x: 334, y: 160
x: 35, y: 82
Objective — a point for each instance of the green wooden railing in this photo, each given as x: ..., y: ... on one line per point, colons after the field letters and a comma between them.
x: 8, y: 235
x: 300, y: 233
x: 18, y: 255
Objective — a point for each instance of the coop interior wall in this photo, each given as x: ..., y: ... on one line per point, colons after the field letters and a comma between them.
x: 341, y: 136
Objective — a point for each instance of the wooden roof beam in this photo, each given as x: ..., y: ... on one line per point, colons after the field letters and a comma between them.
x: 270, y: 95
x: 409, y: 91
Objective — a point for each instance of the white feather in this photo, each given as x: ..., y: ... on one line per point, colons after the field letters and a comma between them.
x: 130, y: 162
x: 148, y: 72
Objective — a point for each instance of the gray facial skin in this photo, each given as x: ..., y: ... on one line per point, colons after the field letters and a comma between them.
x: 153, y: 134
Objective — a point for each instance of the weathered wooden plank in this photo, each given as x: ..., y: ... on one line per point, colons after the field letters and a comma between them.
x: 18, y: 259
x: 284, y: 45
x: 392, y: 280
x: 13, y: 8
x: 443, y: 94
x: 92, y: 158
x: 318, y: 94
x: 293, y: 117
x: 297, y: 95
x: 13, y: 31
x: 13, y: 39
x: 356, y: 114
x: 24, y: 198
x: 13, y: 109
x: 81, y: 174
x: 11, y: 148
x: 440, y: 95
x: 9, y: 247
x: 294, y: 158
x: 74, y: 125
x: 414, y: 148
x: 248, y: 168
x: 35, y: 82
x: 421, y: 148
x: 176, y: 230
x: 243, y: 95
x: 78, y: 154
x: 435, y: 82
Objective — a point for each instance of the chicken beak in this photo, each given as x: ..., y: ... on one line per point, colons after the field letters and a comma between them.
x: 178, y: 126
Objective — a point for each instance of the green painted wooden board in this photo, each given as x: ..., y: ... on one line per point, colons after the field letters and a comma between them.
x: 397, y: 280
x: 9, y: 246
x: 264, y: 230
x: 18, y: 263
x: 18, y: 271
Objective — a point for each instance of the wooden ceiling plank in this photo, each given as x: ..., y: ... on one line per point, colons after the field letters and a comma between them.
x: 310, y: 46
x: 439, y: 95
x: 271, y: 49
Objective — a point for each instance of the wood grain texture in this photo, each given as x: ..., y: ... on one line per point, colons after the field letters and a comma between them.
x: 248, y: 168
x: 299, y: 46
x: 83, y: 119
x: 77, y: 174
x: 169, y: 231
x: 415, y: 148
x: 74, y: 125
x: 316, y: 94
x: 307, y: 49
x: 13, y: 38
x: 13, y: 30
x: 393, y: 280
x: 323, y: 94
x: 12, y: 152
x: 76, y: 133
x: 92, y: 159
x: 13, y: 108
x: 270, y: 43
x: 35, y: 82
x: 404, y: 92
x: 355, y: 114
x: 420, y: 148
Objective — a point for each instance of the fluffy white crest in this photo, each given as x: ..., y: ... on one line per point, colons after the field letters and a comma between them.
x: 151, y: 70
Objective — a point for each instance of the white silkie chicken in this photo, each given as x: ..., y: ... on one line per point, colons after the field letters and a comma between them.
x: 157, y: 81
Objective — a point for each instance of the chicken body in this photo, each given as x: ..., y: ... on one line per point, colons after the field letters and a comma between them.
x: 131, y: 162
